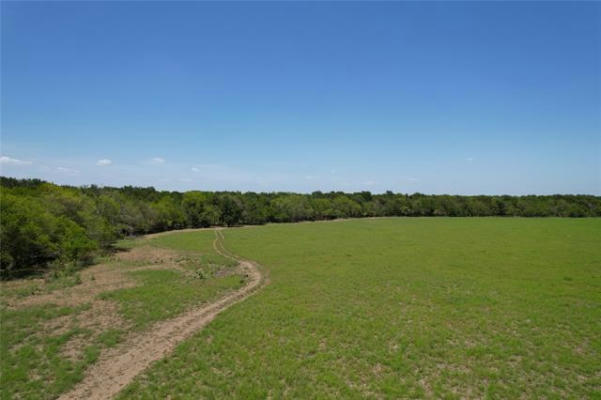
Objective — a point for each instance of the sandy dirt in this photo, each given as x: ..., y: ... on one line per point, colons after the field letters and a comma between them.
x: 153, y: 235
x: 94, y: 280
x: 148, y: 254
x: 118, y: 366
x: 103, y: 278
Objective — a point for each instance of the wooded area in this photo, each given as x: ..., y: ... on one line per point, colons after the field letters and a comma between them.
x: 46, y: 225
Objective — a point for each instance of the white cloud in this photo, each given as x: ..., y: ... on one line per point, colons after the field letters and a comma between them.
x: 13, y: 161
x: 469, y: 159
x: 157, y: 160
x: 67, y: 171
x: 104, y: 162
x: 223, y: 176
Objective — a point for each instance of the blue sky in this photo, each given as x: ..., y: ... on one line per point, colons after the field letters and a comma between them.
x: 449, y: 97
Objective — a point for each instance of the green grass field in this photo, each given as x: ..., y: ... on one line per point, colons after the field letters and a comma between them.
x: 164, y: 294
x: 402, y: 307
x: 34, y: 359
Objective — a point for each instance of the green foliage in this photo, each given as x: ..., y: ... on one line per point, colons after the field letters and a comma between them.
x: 231, y: 207
x: 42, y: 222
x: 292, y: 208
x: 26, y: 234
x: 168, y: 215
x: 32, y: 236
x: 193, y: 205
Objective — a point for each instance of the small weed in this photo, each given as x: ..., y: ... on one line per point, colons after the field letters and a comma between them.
x: 25, y: 291
x: 111, y: 337
x: 129, y: 243
x: 200, y: 274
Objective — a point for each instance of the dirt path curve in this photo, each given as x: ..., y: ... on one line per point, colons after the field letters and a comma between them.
x: 118, y: 366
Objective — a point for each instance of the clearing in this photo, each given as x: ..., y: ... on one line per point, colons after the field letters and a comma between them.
x: 403, y: 308
x: 372, y: 308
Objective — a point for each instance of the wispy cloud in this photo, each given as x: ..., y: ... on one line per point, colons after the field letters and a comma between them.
x: 469, y: 159
x: 13, y: 161
x: 225, y: 176
x: 104, y: 162
x: 67, y: 171
x: 157, y: 160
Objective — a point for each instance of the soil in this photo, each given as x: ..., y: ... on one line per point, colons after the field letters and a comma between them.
x: 94, y: 280
x: 102, y: 278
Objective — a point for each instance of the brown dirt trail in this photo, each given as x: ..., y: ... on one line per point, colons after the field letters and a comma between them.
x: 118, y: 366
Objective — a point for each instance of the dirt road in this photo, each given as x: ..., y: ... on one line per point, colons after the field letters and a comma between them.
x: 118, y: 366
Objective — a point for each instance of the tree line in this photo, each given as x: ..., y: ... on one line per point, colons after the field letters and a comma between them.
x: 44, y: 225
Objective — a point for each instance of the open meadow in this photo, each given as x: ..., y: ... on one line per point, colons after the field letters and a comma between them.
x: 402, y: 307
x: 300, y: 200
x: 370, y: 308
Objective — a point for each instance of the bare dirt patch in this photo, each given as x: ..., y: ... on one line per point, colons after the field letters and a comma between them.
x: 98, y: 316
x: 21, y: 283
x: 153, y: 235
x: 94, y: 280
x: 148, y: 254
x: 73, y: 350
x: 98, y: 278
x: 101, y: 316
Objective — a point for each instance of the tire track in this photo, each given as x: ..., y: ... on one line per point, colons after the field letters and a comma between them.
x: 117, y: 367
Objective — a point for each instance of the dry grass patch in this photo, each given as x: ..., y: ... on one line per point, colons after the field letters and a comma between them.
x: 149, y: 254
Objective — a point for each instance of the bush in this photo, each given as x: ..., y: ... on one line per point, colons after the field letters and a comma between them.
x: 31, y: 237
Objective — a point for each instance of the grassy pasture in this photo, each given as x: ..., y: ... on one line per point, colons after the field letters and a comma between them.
x: 35, y: 362
x: 163, y: 294
x: 402, y: 307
